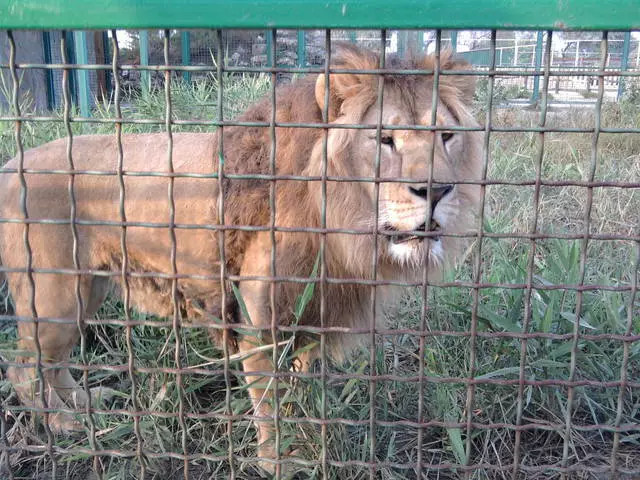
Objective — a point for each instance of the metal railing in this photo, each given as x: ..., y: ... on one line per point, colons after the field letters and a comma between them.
x: 187, y: 437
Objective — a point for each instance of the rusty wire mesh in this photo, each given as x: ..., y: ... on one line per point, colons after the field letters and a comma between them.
x: 620, y: 429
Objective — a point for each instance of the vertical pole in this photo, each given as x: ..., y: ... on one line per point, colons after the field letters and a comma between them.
x: 403, y: 39
x: 185, y: 44
x: 454, y: 40
x: 51, y: 88
x: 82, y: 57
x: 624, y: 63
x: 515, y: 53
x: 422, y: 40
x: 107, y: 59
x: 270, y: 59
x: 538, y: 63
x: 99, y: 46
x: 352, y: 36
x: 302, y: 49
x: 413, y: 44
x: 577, y: 60
x: 145, y: 78
x: 71, y: 57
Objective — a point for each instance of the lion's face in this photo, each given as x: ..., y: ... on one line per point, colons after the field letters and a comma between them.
x: 409, y: 161
x: 403, y: 208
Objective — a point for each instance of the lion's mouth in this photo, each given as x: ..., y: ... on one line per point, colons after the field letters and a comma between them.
x: 402, y: 237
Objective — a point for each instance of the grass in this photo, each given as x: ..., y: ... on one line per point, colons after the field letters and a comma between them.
x: 513, y: 156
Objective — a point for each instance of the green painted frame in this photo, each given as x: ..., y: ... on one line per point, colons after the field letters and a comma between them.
x: 305, y: 14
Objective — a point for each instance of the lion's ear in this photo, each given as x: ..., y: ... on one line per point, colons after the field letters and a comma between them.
x: 343, y: 86
x: 465, y: 84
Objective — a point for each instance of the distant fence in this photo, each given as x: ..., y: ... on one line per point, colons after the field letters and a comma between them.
x: 579, y: 58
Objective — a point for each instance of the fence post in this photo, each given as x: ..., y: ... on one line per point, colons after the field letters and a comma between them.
x: 185, y: 44
x: 535, y: 96
x: 107, y: 59
x: 268, y: 47
x: 422, y: 40
x: 145, y: 77
x: 352, y: 36
x: 82, y: 57
x: 413, y: 44
x: 302, y: 49
x: 403, y: 38
x: 454, y: 40
x: 51, y: 89
x: 624, y: 63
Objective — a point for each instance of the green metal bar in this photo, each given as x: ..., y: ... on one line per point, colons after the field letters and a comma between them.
x: 413, y: 43
x: 308, y: 14
x: 71, y: 56
x: 185, y: 44
x: 269, y: 48
x: 422, y: 36
x: 454, y: 40
x: 145, y: 75
x: 624, y: 63
x: 107, y: 60
x: 51, y: 88
x: 535, y: 96
x: 302, y: 49
x: 82, y: 76
x: 403, y: 40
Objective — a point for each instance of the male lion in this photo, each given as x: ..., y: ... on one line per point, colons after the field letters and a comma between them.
x: 402, y: 251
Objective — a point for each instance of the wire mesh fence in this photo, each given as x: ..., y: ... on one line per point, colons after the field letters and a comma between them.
x: 520, y: 361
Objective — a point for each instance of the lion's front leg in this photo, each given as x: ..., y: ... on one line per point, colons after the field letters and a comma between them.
x: 261, y: 390
x: 256, y: 348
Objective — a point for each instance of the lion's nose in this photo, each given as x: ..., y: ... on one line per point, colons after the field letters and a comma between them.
x: 437, y: 193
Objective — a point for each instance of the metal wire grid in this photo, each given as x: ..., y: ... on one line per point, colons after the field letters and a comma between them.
x: 476, y: 285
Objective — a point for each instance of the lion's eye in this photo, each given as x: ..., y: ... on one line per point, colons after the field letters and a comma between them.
x: 387, y: 140
x: 446, y: 136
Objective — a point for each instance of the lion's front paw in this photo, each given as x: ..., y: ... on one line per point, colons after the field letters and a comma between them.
x: 64, y: 423
x: 287, y: 468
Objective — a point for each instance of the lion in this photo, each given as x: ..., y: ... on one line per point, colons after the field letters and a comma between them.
x: 402, y: 227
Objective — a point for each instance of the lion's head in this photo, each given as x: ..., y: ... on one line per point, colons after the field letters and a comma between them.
x: 404, y: 155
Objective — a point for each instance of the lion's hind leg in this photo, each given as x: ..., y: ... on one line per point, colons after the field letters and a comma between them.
x: 54, y: 332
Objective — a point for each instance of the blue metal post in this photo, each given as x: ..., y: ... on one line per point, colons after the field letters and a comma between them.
x: 624, y: 63
x: 422, y: 40
x: 145, y: 78
x: 454, y: 40
x: 270, y: 60
x: 51, y: 89
x: 107, y: 59
x: 82, y: 57
x: 403, y: 40
x: 70, y: 52
x: 185, y: 43
x: 302, y: 49
x: 535, y: 96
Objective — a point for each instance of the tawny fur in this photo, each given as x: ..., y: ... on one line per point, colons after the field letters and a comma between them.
x: 298, y: 151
